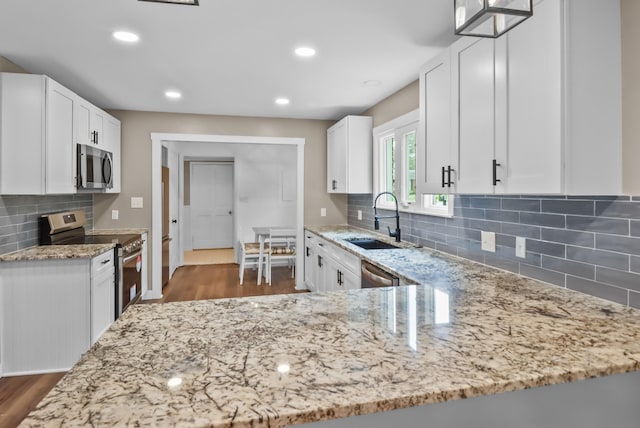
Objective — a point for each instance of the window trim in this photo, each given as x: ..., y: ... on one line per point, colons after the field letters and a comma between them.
x: 399, y: 127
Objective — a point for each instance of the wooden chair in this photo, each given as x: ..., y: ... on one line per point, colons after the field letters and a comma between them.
x: 250, y: 257
x: 282, y: 246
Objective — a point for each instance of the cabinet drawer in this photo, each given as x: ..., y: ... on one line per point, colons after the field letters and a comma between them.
x: 102, y: 263
x: 350, y: 261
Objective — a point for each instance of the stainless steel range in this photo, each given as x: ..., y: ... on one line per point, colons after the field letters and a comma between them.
x: 67, y: 228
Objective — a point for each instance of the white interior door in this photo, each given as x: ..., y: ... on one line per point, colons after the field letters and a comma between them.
x: 212, y: 205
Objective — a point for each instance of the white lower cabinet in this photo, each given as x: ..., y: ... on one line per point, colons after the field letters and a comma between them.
x: 52, y: 311
x: 102, y: 294
x: 329, y: 267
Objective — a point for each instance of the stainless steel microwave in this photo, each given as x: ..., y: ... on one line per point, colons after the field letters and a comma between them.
x: 95, y: 168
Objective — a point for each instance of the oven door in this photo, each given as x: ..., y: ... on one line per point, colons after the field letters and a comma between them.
x: 95, y: 168
x: 131, y: 278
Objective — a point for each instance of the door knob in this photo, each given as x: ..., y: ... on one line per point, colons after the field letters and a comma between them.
x: 230, y: 212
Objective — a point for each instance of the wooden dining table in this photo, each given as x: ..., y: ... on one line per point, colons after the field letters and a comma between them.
x: 261, y: 233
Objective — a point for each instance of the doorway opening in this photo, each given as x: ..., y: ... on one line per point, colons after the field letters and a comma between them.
x: 248, y: 201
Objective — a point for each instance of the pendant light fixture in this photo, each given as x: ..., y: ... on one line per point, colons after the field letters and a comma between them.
x: 489, y: 18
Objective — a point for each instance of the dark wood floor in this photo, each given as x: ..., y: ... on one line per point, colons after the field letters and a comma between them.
x: 20, y: 394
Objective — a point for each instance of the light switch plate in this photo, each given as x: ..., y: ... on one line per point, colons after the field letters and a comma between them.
x: 136, y: 202
x: 115, y: 214
x: 323, y: 212
x: 488, y: 241
x: 359, y: 214
x: 521, y: 247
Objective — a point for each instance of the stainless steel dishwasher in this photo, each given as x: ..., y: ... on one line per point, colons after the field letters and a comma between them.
x: 373, y: 276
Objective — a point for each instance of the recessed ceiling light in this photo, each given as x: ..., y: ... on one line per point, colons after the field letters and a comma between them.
x: 282, y: 101
x: 305, y: 51
x: 371, y: 83
x: 173, y: 95
x: 126, y: 36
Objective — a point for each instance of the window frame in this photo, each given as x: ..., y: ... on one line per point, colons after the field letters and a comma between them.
x: 398, y: 128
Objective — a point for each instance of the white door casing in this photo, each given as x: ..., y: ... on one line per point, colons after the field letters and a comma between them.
x: 211, y: 205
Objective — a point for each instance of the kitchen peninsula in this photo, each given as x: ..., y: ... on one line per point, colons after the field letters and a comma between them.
x: 274, y: 361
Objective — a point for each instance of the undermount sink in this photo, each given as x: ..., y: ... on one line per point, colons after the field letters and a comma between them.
x: 371, y: 244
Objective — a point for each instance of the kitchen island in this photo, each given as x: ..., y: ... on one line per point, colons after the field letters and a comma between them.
x: 292, y: 359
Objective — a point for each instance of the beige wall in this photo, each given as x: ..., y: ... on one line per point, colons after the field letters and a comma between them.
x: 631, y: 96
x: 136, y: 161
x: 405, y: 100
x: 7, y: 66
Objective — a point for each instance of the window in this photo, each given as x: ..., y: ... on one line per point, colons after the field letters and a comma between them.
x: 396, y: 168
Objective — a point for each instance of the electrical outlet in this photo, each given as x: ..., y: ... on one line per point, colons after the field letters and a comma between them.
x: 521, y: 247
x: 359, y: 214
x: 114, y: 214
x: 136, y: 202
x: 488, y: 241
x: 323, y: 212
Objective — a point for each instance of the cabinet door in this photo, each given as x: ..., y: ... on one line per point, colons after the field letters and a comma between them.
x: 98, y: 125
x: 337, y: 158
x: 83, y: 122
x: 22, y: 134
x: 60, y: 148
x: 534, y: 91
x: 102, y: 294
x: 434, y: 131
x: 350, y: 281
x: 112, y: 140
x: 102, y: 305
x: 473, y: 125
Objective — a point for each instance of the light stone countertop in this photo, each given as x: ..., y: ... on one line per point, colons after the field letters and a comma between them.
x: 130, y: 231
x: 287, y: 359
x: 60, y: 252
x: 57, y: 252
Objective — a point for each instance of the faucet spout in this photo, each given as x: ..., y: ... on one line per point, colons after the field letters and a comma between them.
x: 376, y: 222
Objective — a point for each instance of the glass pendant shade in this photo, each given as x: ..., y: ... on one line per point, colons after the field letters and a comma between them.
x: 489, y: 18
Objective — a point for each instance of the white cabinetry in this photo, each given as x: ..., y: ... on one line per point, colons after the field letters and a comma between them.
x: 542, y: 103
x: 102, y: 294
x: 437, y: 153
x: 36, y: 136
x: 51, y: 311
x: 329, y: 267
x: 473, y: 92
x: 40, y: 123
x: 350, y: 156
x: 112, y: 138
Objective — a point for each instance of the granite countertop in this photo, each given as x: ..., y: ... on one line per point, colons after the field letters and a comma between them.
x: 287, y: 359
x: 57, y: 252
x: 131, y: 231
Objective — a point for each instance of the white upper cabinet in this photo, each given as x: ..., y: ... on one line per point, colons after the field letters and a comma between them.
x: 437, y: 154
x: 36, y: 136
x: 40, y: 123
x: 350, y: 156
x: 473, y: 92
x: 60, y: 156
x: 112, y: 143
x: 536, y: 111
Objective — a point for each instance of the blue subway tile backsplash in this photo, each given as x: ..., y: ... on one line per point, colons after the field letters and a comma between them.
x: 19, y: 217
x: 587, y: 243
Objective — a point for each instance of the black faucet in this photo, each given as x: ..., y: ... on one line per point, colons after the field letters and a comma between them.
x: 376, y: 223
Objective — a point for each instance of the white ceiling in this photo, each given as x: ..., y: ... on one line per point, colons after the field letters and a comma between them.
x: 230, y: 57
